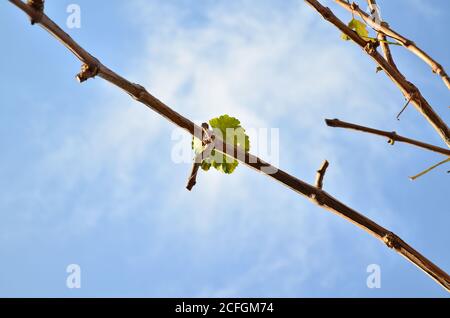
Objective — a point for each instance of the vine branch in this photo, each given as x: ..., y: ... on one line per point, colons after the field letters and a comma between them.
x: 376, y: 15
x: 408, y: 44
x: 208, y: 140
x: 409, y: 90
x: 314, y: 193
x: 392, y: 136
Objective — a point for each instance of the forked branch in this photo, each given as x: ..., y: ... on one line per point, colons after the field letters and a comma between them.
x: 410, y: 45
x: 315, y: 194
x: 410, y: 91
x: 375, y: 11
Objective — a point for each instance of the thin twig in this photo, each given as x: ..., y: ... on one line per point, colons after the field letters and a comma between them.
x: 404, y: 107
x: 406, y: 87
x: 192, y: 180
x: 429, y: 169
x: 410, y: 45
x: 208, y: 141
x: 316, y: 195
x: 321, y: 174
x: 393, y: 137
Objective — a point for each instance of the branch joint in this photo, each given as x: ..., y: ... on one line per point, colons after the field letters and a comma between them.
x: 37, y: 5
x: 87, y: 72
x: 327, y: 14
x: 392, y: 138
x: 317, y: 197
x: 140, y: 92
x: 354, y: 6
x: 392, y: 240
x: 371, y: 47
x: 438, y: 69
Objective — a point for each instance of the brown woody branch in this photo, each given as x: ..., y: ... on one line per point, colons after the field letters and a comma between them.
x: 392, y: 136
x: 192, y: 180
x: 374, y: 9
x: 409, y: 90
x: 207, y: 141
x: 410, y: 45
x: 315, y: 194
x: 321, y: 174
x: 38, y: 5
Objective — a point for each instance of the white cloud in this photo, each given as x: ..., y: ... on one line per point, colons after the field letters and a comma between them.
x: 269, y: 67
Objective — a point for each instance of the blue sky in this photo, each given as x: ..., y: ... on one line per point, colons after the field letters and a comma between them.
x: 86, y: 175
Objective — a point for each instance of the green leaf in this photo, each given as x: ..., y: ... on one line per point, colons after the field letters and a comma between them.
x: 206, y: 164
x: 345, y: 37
x: 360, y: 28
x: 229, y: 129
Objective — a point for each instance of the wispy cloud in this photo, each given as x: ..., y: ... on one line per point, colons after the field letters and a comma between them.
x: 270, y: 65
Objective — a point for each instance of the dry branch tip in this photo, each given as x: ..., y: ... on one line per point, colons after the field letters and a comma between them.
x: 321, y: 174
x: 331, y: 122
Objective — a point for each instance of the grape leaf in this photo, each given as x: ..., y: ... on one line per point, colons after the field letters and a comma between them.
x: 360, y: 28
x: 229, y: 130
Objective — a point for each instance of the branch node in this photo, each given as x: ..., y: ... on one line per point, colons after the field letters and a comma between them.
x: 371, y: 47
x: 317, y: 197
x: 391, y: 240
x: 321, y: 174
x: 37, y: 5
x: 87, y: 72
x: 437, y: 69
x: 192, y: 180
x: 392, y: 138
x: 140, y: 92
x: 354, y: 6
x: 408, y: 42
